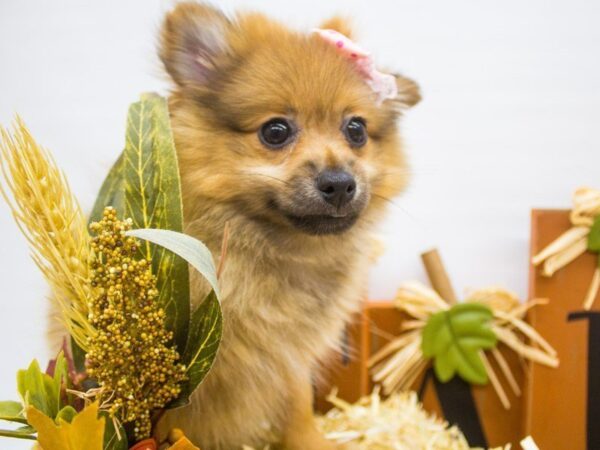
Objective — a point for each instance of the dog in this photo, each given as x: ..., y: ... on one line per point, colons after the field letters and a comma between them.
x: 279, y: 134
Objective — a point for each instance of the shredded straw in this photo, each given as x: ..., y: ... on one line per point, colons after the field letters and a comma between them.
x: 573, y: 242
x: 396, y: 423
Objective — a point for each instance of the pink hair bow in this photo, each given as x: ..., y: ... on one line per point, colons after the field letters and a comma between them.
x: 383, y: 84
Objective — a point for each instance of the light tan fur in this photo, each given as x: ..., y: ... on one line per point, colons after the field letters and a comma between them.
x: 287, y: 295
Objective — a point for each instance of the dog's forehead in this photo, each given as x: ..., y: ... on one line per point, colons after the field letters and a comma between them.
x: 304, y: 74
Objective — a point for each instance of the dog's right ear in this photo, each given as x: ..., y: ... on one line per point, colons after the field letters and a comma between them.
x: 193, y: 41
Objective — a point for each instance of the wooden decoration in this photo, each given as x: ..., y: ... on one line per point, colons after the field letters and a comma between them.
x: 380, y: 323
x: 563, y: 404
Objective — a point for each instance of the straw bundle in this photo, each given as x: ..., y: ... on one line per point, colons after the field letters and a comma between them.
x: 396, y: 423
x: 398, y: 365
x: 573, y: 242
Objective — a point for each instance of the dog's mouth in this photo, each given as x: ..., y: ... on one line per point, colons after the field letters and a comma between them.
x: 322, y: 224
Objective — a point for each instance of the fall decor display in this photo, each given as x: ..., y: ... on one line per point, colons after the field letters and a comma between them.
x: 584, y: 235
x: 121, y: 286
x: 456, y: 337
x: 564, y: 400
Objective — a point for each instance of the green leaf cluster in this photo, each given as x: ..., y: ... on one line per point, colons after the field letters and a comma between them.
x: 454, y: 339
x: 144, y: 185
x: 44, y: 392
x: 48, y: 395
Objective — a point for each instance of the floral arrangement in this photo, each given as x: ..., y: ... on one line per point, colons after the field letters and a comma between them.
x: 120, y: 282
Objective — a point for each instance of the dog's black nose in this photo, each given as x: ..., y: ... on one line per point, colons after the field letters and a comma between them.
x: 337, y: 187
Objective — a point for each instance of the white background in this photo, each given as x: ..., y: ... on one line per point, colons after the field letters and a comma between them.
x: 509, y: 121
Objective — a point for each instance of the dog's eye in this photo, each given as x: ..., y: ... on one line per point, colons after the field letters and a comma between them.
x: 276, y: 133
x: 355, y: 131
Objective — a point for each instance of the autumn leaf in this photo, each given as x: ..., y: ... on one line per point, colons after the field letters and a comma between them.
x: 86, y: 430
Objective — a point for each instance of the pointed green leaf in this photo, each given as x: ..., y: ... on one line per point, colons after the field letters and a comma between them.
x: 594, y: 236
x: 206, y: 324
x: 111, y: 192
x: 12, y: 412
x: 111, y: 437
x: 206, y: 329
x: 144, y: 185
x: 40, y: 389
x: 33, y: 388
x: 190, y: 249
x: 20, y: 433
x: 153, y: 200
x: 454, y: 338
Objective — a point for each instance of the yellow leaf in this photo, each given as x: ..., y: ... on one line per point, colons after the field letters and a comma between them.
x: 86, y: 431
x: 183, y: 444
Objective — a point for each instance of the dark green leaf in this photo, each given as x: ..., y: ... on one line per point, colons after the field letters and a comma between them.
x: 20, y: 433
x: 12, y: 412
x: 78, y: 356
x: 594, y: 236
x: 206, y: 328
x: 67, y: 414
x: 206, y: 323
x: 111, y: 192
x: 144, y: 185
x: 190, y: 249
x: 454, y: 338
x: 111, y: 438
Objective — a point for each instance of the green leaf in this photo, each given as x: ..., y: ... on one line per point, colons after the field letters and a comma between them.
x: 36, y: 389
x: 111, y: 438
x: 111, y: 192
x: 206, y: 324
x: 594, y: 236
x: 206, y: 329
x: 190, y: 249
x: 12, y: 412
x: 40, y: 390
x: 67, y: 414
x: 454, y: 338
x: 144, y: 185
x: 20, y: 433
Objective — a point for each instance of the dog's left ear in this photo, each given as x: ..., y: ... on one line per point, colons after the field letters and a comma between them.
x: 339, y: 24
x: 193, y: 43
x: 409, y: 93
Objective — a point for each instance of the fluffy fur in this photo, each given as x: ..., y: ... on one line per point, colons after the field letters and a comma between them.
x: 287, y: 294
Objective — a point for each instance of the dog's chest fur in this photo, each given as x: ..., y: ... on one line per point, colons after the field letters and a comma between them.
x: 284, y: 311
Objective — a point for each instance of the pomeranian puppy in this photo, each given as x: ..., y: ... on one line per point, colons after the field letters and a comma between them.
x: 280, y: 135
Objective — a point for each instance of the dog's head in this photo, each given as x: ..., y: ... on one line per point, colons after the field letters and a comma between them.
x: 278, y: 123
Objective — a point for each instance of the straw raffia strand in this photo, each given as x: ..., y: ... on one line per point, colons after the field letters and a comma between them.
x: 573, y: 242
x: 398, y: 364
x: 396, y: 423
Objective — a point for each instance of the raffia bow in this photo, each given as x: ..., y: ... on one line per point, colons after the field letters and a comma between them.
x: 400, y: 363
x: 574, y: 242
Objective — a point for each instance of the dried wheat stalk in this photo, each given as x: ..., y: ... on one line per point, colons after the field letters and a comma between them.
x: 52, y: 222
